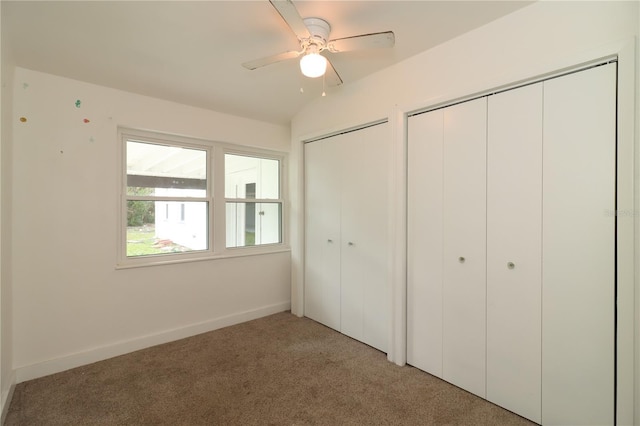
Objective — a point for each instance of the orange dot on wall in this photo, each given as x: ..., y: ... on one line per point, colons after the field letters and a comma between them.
x: 23, y: 119
x: 86, y: 120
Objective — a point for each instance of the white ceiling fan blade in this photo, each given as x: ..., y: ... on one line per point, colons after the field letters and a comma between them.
x: 331, y: 76
x: 290, y: 14
x: 365, y: 41
x: 252, y: 65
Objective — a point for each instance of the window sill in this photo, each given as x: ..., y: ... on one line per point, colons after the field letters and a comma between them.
x: 228, y: 254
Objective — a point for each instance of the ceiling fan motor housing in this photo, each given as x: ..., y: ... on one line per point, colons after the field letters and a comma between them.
x: 319, y: 30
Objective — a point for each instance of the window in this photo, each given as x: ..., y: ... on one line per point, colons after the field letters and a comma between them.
x: 168, y: 209
x: 163, y: 178
x: 253, y: 204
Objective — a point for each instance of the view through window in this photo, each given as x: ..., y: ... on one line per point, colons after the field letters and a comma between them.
x: 167, y: 199
x: 253, y: 204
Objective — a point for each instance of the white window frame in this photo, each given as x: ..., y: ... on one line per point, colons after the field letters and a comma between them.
x: 216, y: 226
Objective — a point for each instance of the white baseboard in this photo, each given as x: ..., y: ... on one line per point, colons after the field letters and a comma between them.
x: 7, y: 396
x: 78, y: 359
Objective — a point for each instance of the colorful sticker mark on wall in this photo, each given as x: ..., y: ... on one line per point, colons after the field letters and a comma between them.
x: 25, y: 85
x: 86, y: 120
x: 23, y: 119
x: 78, y: 103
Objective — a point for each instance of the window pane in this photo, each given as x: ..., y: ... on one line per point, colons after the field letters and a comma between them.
x: 241, y: 172
x: 166, y: 170
x: 160, y: 227
x: 251, y: 224
x: 268, y: 228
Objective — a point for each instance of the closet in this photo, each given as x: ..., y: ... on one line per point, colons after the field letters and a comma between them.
x: 511, y: 246
x: 346, y: 222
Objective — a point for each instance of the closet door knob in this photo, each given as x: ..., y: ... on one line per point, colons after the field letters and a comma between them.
x: 329, y: 240
x: 350, y: 243
x: 461, y: 259
x: 511, y: 265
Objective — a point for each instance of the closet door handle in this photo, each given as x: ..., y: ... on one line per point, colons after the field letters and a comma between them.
x: 511, y: 265
x: 461, y: 259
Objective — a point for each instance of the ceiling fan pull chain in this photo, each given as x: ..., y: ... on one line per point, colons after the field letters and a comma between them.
x: 323, y: 85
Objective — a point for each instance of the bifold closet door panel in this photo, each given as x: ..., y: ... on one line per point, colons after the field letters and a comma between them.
x: 322, y: 232
x: 375, y: 205
x: 579, y: 248
x: 514, y: 245
x: 424, y: 241
x: 464, y: 210
x: 365, y: 292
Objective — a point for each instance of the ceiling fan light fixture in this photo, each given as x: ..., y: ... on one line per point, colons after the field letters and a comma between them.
x: 313, y: 65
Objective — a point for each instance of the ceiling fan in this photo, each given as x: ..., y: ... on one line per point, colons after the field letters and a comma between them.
x: 313, y: 35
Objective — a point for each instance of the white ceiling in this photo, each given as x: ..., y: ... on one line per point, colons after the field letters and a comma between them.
x: 190, y: 51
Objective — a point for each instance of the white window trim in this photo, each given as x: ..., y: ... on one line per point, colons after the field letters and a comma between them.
x: 215, y: 196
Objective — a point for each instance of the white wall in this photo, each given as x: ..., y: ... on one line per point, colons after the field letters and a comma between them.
x: 7, y: 376
x: 71, y: 306
x: 536, y: 40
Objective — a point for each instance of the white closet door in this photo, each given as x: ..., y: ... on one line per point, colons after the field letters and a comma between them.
x: 364, y: 295
x: 322, y: 232
x: 578, y: 248
x: 424, y: 242
x: 464, y: 286
x: 514, y: 244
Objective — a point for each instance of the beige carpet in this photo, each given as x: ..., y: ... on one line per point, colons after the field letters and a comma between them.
x: 277, y: 370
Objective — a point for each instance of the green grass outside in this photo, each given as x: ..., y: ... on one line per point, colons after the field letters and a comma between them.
x: 142, y: 241
x: 249, y: 238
